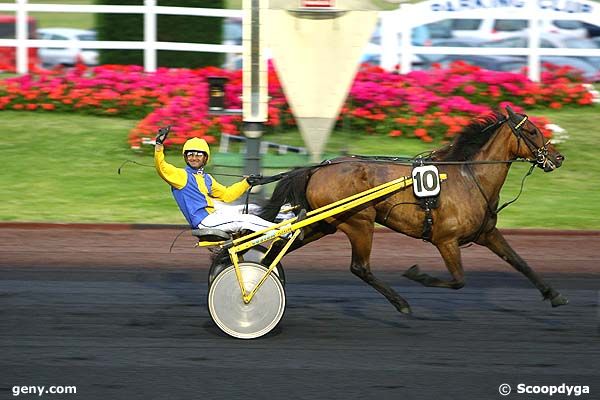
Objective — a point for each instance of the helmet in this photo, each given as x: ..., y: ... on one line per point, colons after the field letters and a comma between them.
x: 196, y: 144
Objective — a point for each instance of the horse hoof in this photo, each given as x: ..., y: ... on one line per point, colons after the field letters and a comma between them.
x: 412, y: 272
x: 559, y: 300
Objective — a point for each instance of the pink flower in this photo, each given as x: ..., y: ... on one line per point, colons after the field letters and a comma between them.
x: 469, y: 89
x: 441, y: 100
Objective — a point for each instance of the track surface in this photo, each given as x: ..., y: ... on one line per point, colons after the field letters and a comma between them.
x: 113, y: 313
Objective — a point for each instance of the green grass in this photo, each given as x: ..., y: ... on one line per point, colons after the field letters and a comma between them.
x: 65, y: 20
x: 63, y: 168
x: 570, y: 196
x: 60, y: 19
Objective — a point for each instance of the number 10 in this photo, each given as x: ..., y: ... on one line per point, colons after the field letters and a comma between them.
x: 427, y: 181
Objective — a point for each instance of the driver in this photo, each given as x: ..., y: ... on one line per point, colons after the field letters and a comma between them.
x: 195, y: 191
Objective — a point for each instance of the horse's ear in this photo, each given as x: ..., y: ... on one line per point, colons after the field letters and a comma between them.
x: 511, y: 113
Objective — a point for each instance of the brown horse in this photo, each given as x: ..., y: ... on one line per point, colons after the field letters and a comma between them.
x: 476, y: 163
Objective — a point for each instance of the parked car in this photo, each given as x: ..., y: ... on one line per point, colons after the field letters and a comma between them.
x: 8, y: 54
x: 452, y: 42
x: 439, y: 30
x: 551, y: 41
x: 72, y: 53
x: 232, y: 35
x: 547, y: 40
x: 232, y: 30
x: 492, y: 29
x: 372, y: 55
x: 422, y: 35
x: 592, y: 30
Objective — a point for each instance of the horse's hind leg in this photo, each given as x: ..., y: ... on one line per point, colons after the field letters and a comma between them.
x: 494, y: 241
x: 360, y: 233
x: 450, y: 252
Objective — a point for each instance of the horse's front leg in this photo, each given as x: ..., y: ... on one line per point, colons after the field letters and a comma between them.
x: 450, y: 252
x: 360, y: 232
x: 494, y: 241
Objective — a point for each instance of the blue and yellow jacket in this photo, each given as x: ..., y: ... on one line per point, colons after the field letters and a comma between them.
x: 194, y: 190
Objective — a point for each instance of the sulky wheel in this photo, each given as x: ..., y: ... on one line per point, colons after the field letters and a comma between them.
x: 246, y: 321
x: 254, y: 254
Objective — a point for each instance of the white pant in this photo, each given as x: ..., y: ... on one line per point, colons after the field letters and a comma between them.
x: 230, y: 219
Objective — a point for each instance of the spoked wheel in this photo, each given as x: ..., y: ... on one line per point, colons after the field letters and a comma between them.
x: 254, y: 255
x: 246, y: 321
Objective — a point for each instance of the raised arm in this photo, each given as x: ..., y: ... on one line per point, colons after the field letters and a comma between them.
x: 176, y: 177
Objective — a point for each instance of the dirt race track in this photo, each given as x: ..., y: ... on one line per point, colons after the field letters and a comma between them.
x: 112, y: 312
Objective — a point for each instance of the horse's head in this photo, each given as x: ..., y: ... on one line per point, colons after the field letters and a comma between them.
x: 536, y: 148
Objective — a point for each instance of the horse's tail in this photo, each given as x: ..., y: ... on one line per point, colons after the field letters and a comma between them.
x: 290, y: 189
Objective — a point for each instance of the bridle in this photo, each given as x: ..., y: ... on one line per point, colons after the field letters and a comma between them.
x: 539, y: 152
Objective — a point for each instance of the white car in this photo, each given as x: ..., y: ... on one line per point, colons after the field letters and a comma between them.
x: 232, y: 35
x: 494, y: 29
x: 67, y: 55
x: 551, y: 41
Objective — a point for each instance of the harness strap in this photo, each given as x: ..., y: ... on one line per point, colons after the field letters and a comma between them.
x: 521, y: 123
x: 428, y: 204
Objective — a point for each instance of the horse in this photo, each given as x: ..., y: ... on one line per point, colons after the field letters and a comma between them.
x: 476, y: 162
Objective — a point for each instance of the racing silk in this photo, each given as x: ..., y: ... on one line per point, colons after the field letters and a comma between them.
x: 194, y: 190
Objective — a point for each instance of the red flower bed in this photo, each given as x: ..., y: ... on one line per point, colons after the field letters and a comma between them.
x: 422, y: 104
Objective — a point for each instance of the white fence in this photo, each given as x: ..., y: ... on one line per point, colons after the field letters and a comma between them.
x: 396, y: 29
x: 150, y: 45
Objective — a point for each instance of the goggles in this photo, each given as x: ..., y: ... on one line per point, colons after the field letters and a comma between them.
x: 193, y: 153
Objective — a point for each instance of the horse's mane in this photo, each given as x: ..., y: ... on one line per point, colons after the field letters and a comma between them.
x: 471, y: 139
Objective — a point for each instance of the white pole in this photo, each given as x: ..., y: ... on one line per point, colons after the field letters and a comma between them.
x: 254, y: 80
x: 22, y: 28
x: 405, y: 43
x: 150, y: 36
x: 534, y: 41
x: 389, y: 39
x: 254, y: 62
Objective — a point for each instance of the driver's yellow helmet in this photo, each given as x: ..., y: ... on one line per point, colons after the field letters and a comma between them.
x: 196, y: 144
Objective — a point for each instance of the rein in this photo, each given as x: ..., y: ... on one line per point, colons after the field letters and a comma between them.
x: 423, y: 161
x: 517, y: 131
x: 541, y: 154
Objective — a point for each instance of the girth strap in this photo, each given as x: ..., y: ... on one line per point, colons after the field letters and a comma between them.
x: 427, y: 204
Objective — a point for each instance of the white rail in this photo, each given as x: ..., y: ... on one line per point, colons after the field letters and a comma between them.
x: 150, y: 45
